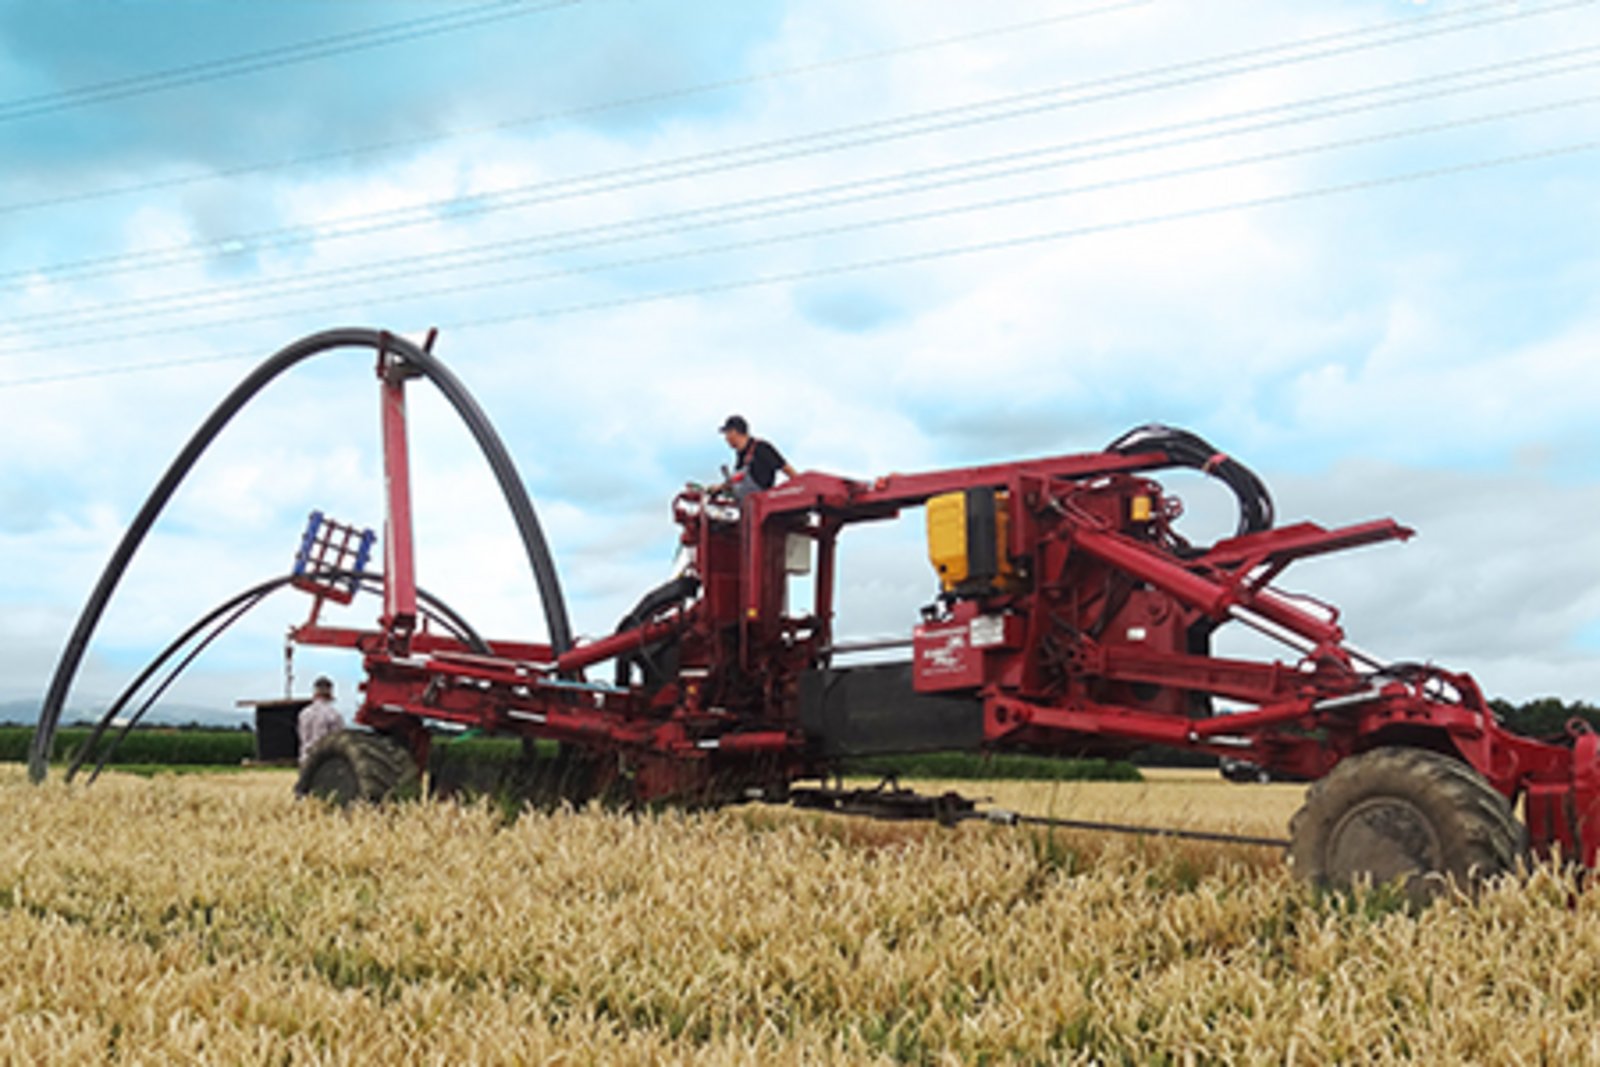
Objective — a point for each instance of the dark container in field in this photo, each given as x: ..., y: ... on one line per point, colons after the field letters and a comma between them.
x: 277, y: 729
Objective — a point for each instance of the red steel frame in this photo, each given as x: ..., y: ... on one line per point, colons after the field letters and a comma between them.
x: 400, y: 580
x: 1095, y: 649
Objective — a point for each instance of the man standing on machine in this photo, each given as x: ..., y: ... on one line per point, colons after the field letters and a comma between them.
x: 757, y: 461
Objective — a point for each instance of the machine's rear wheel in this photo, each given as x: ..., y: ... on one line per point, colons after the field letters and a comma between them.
x: 353, y: 765
x: 1407, y: 815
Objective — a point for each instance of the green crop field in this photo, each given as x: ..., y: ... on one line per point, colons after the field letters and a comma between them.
x: 214, y: 919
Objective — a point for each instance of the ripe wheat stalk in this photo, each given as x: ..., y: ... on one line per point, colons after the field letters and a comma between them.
x: 215, y: 920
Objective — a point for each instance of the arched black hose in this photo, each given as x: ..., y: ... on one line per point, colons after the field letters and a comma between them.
x: 240, y: 605
x: 160, y: 690
x: 1190, y: 450
x: 254, y: 593
x: 440, y: 612
x: 466, y: 636
x: 426, y: 363
x: 669, y: 594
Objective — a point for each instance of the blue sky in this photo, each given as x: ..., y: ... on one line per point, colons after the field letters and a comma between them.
x: 1353, y: 243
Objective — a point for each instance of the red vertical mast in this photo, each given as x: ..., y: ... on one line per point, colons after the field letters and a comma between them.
x: 399, y: 561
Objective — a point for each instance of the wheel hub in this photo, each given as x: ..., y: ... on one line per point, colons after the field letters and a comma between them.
x: 1386, y: 837
x: 334, y: 780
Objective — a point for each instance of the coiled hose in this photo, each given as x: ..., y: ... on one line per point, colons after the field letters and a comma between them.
x: 1187, y: 449
x: 220, y: 619
x: 381, y: 341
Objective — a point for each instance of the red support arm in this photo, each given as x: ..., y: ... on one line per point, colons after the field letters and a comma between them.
x: 400, y: 570
x: 1212, y: 597
x: 892, y: 491
x: 627, y: 641
x: 425, y: 642
x: 1285, y: 544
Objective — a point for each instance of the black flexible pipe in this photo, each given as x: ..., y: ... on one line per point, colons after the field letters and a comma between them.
x: 475, y: 643
x: 166, y: 683
x: 466, y: 407
x: 670, y: 593
x: 440, y: 612
x: 1190, y: 450
x: 433, y: 608
x: 127, y: 694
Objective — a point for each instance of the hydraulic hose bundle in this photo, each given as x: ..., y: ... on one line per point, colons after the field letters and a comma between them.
x: 1190, y: 450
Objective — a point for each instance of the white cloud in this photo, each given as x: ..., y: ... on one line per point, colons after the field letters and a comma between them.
x: 1367, y: 354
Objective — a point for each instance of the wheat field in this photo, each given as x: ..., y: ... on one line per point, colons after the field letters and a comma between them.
x: 212, y: 919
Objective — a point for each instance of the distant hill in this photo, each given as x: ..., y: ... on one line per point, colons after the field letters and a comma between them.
x: 26, y: 713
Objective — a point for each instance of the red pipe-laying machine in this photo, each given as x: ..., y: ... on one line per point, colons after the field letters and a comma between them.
x: 1071, y: 618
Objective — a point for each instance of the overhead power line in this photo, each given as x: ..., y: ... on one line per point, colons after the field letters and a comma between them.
x: 905, y: 259
x: 271, y: 58
x: 834, y: 195
x: 581, y: 111
x: 829, y: 140
x: 919, y: 216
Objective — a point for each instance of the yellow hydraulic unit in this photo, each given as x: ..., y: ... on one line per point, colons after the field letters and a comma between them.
x: 967, y: 533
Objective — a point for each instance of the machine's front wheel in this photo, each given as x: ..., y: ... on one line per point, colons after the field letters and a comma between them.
x: 353, y: 765
x: 1408, y: 815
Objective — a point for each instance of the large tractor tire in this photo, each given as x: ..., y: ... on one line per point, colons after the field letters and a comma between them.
x: 353, y: 765
x: 1404, y: 815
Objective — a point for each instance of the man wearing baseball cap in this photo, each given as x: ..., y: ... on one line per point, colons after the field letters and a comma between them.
x: 757, y: 461
x: 319, y: 718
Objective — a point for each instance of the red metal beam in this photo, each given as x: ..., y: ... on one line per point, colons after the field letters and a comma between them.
x: 1288, y: 543
x: 427, y: 642
x: 627, y: 641
x: 1212, y: 597
x: 813, y: 489
x: 399, y: 571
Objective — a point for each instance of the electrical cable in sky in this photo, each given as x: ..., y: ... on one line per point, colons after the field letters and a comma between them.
x: 271, y: 58
x: 900, y: 259
x: 933, y: 214
x: 582, y: 110
x: 728, y: 213
x: 861, y: 226
x: 874, y: 132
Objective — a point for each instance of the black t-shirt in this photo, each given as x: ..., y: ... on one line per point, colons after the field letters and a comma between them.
x: 761, y: 462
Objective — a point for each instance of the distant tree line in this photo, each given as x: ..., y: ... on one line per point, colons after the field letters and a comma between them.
x: 1546, y: 716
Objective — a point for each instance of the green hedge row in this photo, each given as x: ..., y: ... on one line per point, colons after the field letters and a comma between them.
x: 477, y: 749
x: 961, y: 765
x: 148, y: 746
x: 230, y: 747
x: 973, y: 765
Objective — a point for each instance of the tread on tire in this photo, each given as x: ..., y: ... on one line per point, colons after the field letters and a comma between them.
x: 1404, y: 814
x: 356, y: 766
